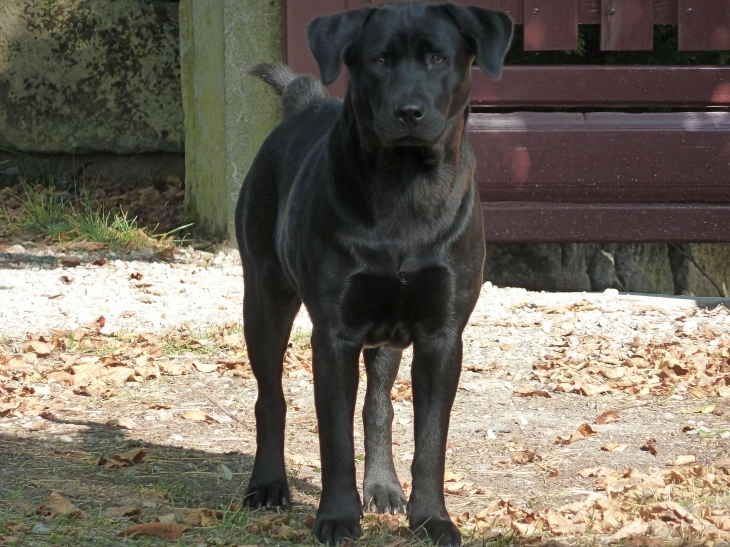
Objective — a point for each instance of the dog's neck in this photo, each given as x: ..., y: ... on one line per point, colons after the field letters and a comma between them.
x: 372, y: 186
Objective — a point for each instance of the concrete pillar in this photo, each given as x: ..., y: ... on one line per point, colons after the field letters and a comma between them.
x: 227, y: 113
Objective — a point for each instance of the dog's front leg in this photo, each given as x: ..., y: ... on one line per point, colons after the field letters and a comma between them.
x: 435, y: 378
x: 336, y: 375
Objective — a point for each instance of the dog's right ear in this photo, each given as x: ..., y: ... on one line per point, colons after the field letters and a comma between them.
x: 330, y: 37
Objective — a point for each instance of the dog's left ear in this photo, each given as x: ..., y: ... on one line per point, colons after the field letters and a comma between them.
x: 488, y: 32
x: 330, y: 37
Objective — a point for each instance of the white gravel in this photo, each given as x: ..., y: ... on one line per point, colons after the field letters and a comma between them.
x: 204, y: 289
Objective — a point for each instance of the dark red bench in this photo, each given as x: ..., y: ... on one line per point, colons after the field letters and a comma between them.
x: 587, y: 175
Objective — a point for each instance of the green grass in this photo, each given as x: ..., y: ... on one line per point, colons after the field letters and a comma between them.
x: 55, y: 215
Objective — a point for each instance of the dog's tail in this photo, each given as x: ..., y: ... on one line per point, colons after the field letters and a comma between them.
x: 296, y: 91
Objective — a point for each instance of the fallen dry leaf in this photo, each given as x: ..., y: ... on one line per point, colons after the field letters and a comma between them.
x: 66, y: 280
x: 63, y: 507
x: 634, y: 527
x: 607, y: 417
x: 205, y: 367
x: 203, y: 517
x: 121, y: 512
x: 650, y: 446
x: 122, y: 423
x: 582, y: 432
x: 529, y: 391
x: 166, y: 519
x: 171, y: 369
x: 168, y: 531
x: 70, y: 262
x: 613, y: 446
x: 125, y: 459
x: 523, y: 457
x: 41, y: 349
x: 198, y: 416
x: 684, y: 460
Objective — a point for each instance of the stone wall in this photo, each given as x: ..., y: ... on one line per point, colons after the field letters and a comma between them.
x: 90, y: 76
x: 628, y: 267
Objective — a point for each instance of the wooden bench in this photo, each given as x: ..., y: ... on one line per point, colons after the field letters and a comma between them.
x: 588, y: 174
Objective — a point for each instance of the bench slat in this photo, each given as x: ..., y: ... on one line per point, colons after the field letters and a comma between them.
x: 604, y: 86
x: 509, y: 222
x: 602, y: 157
x: 627, y: 26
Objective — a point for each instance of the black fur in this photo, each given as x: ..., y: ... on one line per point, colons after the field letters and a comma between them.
x: 367, y: 212
x: 296, y: 91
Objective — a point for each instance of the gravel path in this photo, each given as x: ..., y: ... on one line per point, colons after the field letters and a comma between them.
x: 511, y: 332
x: 43, y: 288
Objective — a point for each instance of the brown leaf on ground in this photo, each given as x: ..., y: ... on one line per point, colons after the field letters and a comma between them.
x: 133, y: 457
x: 608, y: 417
x: 684, y: 460
x: 41, y: 349
x: 523, y: 457
x: 583, y: 431
x: 66, y: 280
x: 84, y: 245
x: 529, y: 391
x: 636, y: 527
x: 650, y: 446
x: 171, y: 369
x: 70, y: 261
x: 643, y: 541
x: 121, y: 512
x: 96, y: 324
x: 613, y: 446
x: 122, y: 423
x: 205, y: 367
x: 401, y: 391
x: 203, y: 517
x: 267, y: 523
x: 171, y: 531
x: 126, y: 459
x: 63, y: 507
x: 37, y: 425
x: 198, y: 416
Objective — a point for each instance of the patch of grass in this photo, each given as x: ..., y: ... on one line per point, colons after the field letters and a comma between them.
x: 74, y: 216
x: 300, y: 337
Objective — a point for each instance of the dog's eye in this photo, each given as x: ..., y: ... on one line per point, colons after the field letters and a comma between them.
x: 437, y: 59
x: 380, y: 61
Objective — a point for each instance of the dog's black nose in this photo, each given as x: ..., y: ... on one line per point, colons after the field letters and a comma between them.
x: 411, y: 113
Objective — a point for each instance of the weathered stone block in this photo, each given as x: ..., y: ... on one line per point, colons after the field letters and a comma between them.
x: 630, y: 267
x: 90, y: 76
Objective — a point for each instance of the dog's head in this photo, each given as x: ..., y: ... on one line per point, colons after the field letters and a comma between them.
x: 410, y: 63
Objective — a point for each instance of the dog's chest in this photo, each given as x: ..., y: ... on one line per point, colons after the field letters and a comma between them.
x: 393, y: 310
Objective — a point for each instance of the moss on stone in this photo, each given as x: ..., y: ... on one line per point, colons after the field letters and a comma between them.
x: 90, y: 76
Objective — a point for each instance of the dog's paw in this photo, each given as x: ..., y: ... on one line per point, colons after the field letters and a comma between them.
x: 439, y: 530
x: 334, y: 530
x: 267, y: 494
x: 384, y: 497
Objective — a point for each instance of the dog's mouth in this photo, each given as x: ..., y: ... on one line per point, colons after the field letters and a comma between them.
x: 411, y: 141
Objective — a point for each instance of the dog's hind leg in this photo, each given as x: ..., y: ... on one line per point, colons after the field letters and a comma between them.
x: 382, y: 492
x: 269, y: 309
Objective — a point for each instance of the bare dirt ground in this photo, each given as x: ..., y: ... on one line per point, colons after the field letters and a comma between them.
x: 580, y: 418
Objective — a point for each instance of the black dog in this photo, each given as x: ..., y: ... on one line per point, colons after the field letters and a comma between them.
x: 367, y: 212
